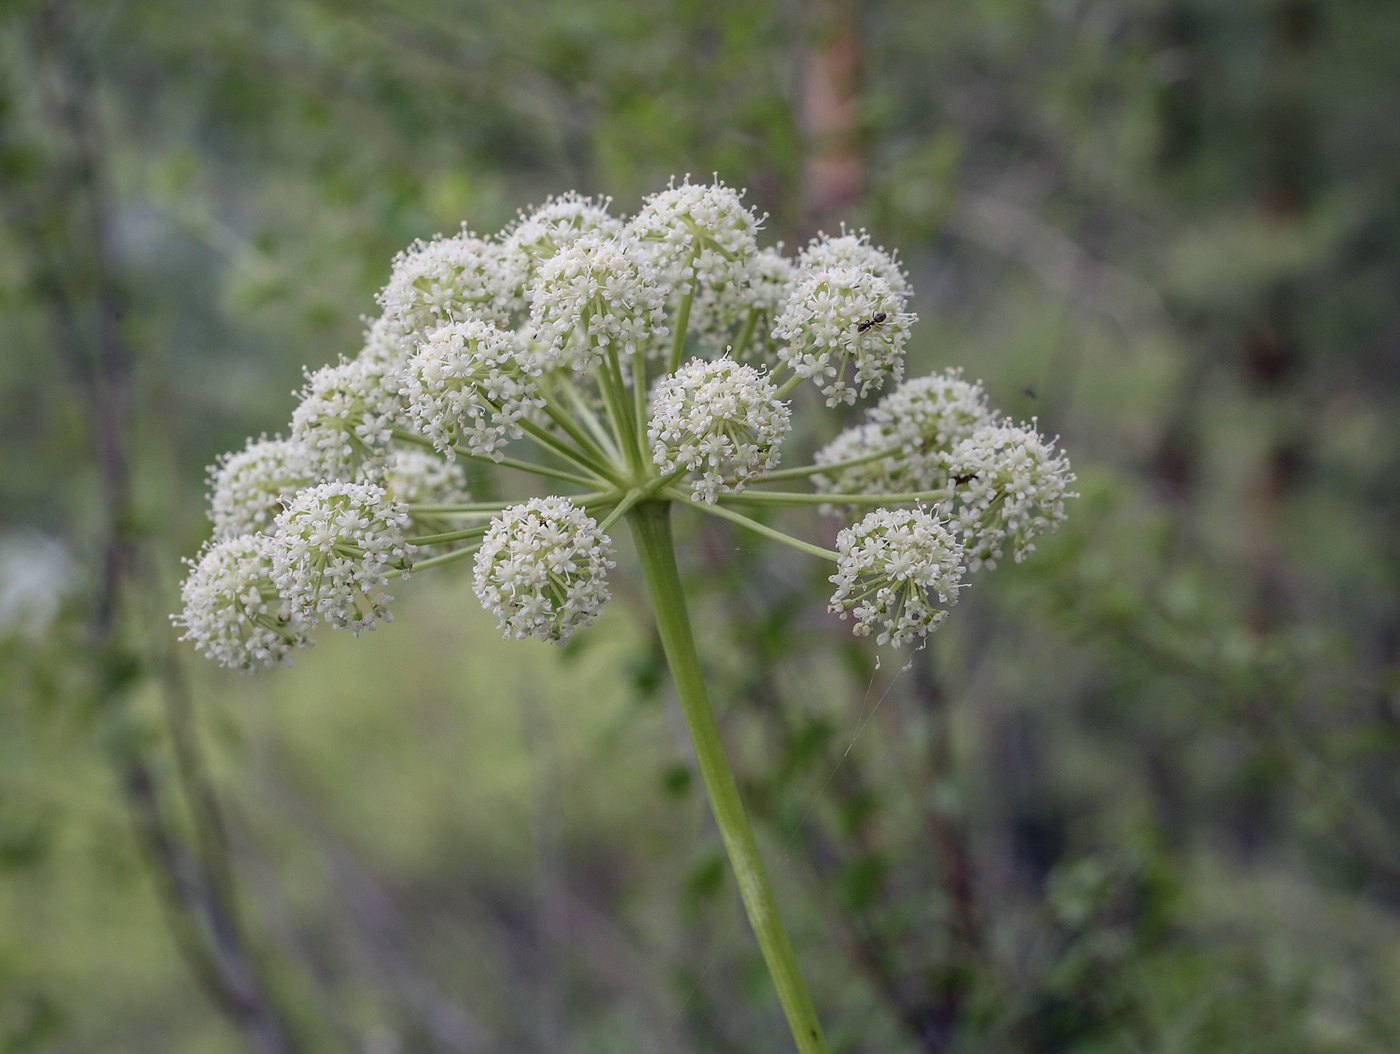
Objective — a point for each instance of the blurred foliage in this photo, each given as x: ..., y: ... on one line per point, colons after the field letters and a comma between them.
x: 1139, y: 794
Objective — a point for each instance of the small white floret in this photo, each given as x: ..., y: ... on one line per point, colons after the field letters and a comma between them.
x: 595, y: 295
x: 347, y: 416
x: 919, y: 423
x: 448, y: 280
x: 701, y: 239
x: 471, y: 384
x: 1013, y: 486
x: 854, y: 250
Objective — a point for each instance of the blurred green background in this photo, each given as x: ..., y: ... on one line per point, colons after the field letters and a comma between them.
x: 1139, y: 795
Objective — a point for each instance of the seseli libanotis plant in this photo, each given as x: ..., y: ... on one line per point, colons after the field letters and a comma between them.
x: 633, y: 365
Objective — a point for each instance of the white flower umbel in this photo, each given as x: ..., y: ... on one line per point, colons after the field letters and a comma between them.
x: 347, y: 417
x: 1013, y: 486
x: 383, y: 347
x: 232, y: 611
x: 919, y: 422
x: 595, y: 294
x: 559, y: 222
x: 844, y: 328
x: 854, y: 250
x: 542, y: 569
x: 772, y: 278
x: 892, y: 564
x: 702, y: 240
x: 333, y: 547
x: 251, y: 486
x: 420, y: 476
x: 722, y: 420
x: 471, y: 384
x: 448, y: 280
x: 698, y: 231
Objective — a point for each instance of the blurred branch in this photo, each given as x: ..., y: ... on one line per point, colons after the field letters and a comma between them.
x: 87, y: 307
x: 1057, y: 260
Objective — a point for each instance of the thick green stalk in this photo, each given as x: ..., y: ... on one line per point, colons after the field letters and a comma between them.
x: 682, y: 327
x: 741, y: 343
x: 651, y: 529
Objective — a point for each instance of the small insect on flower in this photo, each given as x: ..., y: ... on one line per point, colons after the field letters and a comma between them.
x: 962, y: 480
x: 875, y: 321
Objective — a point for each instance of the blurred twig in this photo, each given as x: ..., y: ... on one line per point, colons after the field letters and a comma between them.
x: 78, y: 280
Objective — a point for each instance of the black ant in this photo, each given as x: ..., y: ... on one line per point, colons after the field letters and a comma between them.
x: 958, y: 481
x: 875, y: 321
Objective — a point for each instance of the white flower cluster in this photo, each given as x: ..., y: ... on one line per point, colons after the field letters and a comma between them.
x: 542, y: 569
x: 333, y: 545
x: 854, y: 250
x: 701, y: 238
x: 1014, y: 486
x: 232, y: 611
x: 471, y: 383
x: 845, y: 329
x: 918, y: 423
x: 484, y: 341
x: 771, y: 276
x: 420, y: 476
x: 251, y: 486
x: 347, y: 416
x: 448, y: 280
x: 559, y: 222
x: 382, y: 348
x: 892, y: 563
x: 594, y: 294
x: 720, y: 419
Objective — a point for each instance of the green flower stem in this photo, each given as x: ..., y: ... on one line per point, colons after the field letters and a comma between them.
x: 450, y: 536
x: 591, y: 480
x: 603, y: 445
x: 783, y: 497
x: 639, y: 395
x: 619, y: 416
x: 435, y: 561
x: 753, y: 525
x: 490, y: 508
x: 588, y: 455
x: 741, y: 342
x: 626, y: 416
x: 786, y: 388
x: 651, y: 529
x: 633, y: 496
x: 836, y: 466
x: 540, y: 470
x: 682, y: 325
